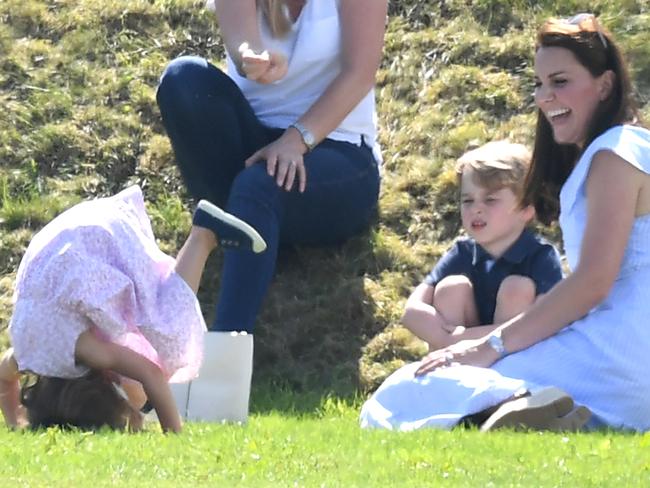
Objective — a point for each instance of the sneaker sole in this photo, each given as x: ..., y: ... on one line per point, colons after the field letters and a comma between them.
x: 258, y: 243
x: 538, y: 411
x: 571, y: 422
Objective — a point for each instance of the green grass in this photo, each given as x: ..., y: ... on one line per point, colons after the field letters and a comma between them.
x: 324, y: 448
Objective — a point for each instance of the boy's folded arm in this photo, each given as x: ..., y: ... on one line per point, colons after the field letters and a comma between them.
x: 10, y: 388
x: 423, y: 320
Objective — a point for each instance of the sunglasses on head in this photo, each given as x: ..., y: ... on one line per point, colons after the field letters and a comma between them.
x: 586, y: 23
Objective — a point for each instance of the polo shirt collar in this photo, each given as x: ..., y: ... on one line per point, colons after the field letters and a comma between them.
x: 515, y: 253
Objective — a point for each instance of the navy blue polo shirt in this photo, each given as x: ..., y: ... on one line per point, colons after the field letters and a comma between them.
x: 529, y: 256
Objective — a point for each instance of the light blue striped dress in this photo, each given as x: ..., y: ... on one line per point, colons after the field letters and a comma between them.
x: 602, y: 360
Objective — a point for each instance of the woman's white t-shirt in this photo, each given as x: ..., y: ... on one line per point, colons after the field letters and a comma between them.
x: 313, y: 51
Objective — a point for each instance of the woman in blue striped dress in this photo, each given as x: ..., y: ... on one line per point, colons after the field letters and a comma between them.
x: 580, y: 355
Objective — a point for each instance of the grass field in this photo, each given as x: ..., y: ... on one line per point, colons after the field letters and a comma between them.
x: 79, y: 120
x: 323, y: 449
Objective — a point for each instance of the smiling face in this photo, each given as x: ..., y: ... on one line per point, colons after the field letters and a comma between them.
x: 567, y: 93
x: 491, y: 217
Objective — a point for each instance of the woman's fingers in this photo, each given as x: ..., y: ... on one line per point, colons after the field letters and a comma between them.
x: 302, y: 177
x: 287, y: 167
x: 436, y: 359
x: 257, y: 156
x: 276, y: 70
x: 290, y: 175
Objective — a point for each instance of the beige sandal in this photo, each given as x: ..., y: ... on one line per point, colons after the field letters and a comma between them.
x: 546, y: 409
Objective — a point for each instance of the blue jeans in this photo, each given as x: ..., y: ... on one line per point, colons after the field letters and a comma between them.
x: 213, y: 129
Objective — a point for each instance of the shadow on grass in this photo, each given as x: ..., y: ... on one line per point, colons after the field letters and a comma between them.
x: 314, y: 323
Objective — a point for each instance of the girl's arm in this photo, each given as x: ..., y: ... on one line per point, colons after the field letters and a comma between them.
x: 97, y: 354
x: 362, y: 24
x: 613, y: 186
x: 10, y: 389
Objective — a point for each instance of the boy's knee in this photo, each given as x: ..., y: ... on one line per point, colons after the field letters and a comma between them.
x: 517, y: 289
x: 454, y: 284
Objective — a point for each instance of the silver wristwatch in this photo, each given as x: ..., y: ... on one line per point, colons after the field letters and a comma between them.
x: 496, y: 342
x: 307, y: 136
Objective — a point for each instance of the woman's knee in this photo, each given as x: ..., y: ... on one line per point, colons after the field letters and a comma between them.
x: 253, y: 186
x: 187, y: 77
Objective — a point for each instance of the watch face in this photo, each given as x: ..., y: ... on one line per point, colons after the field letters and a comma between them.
x: 497, y: 344
x: 309, y: 138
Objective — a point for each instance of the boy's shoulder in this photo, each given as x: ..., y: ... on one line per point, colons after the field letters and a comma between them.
x: 535, y: 239
x: 464, y: 244
x: 530, y: 243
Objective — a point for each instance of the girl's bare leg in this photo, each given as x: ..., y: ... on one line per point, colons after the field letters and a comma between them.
x: 192, y: 257
x: 211, y: 225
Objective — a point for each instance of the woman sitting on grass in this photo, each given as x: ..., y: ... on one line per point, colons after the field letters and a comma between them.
x: 589, y: 335
x: 285, y: 139
x: 105, y: 319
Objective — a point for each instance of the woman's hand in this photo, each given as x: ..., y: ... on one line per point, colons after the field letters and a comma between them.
x: 284, y: 160
x: 476, y: 352
x: 264, y: 67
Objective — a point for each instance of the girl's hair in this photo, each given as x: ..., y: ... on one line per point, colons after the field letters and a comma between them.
x: 276, y: 14
x: 88, y: 403
x: 594, y: 48
x: 496, y: 165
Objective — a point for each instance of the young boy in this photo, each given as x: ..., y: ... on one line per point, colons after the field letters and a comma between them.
x: 500, y: 269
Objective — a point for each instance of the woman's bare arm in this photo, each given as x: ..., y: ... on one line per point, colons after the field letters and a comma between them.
x: 613, y: 187
x: 237, y: 25
x: 363, y: 23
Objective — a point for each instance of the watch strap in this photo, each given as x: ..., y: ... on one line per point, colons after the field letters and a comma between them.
x: 496, y: 342
x: 307, y: 137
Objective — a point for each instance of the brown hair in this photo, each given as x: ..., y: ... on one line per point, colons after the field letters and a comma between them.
x: 595, y: 49
x: 275, y: 13
x: 88, y: 403
x: 496, y: 165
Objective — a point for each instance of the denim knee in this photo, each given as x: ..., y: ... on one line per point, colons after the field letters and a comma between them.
x: 186, y: 78
x: 254, y: 183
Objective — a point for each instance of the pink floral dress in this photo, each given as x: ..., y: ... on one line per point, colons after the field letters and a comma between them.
x: 97, y: 266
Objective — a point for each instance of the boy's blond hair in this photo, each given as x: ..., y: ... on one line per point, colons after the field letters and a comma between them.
x: 496, y: 165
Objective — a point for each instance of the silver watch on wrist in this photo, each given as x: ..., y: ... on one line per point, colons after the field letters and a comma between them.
x: 307, y: 136
x: 496, y: 342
